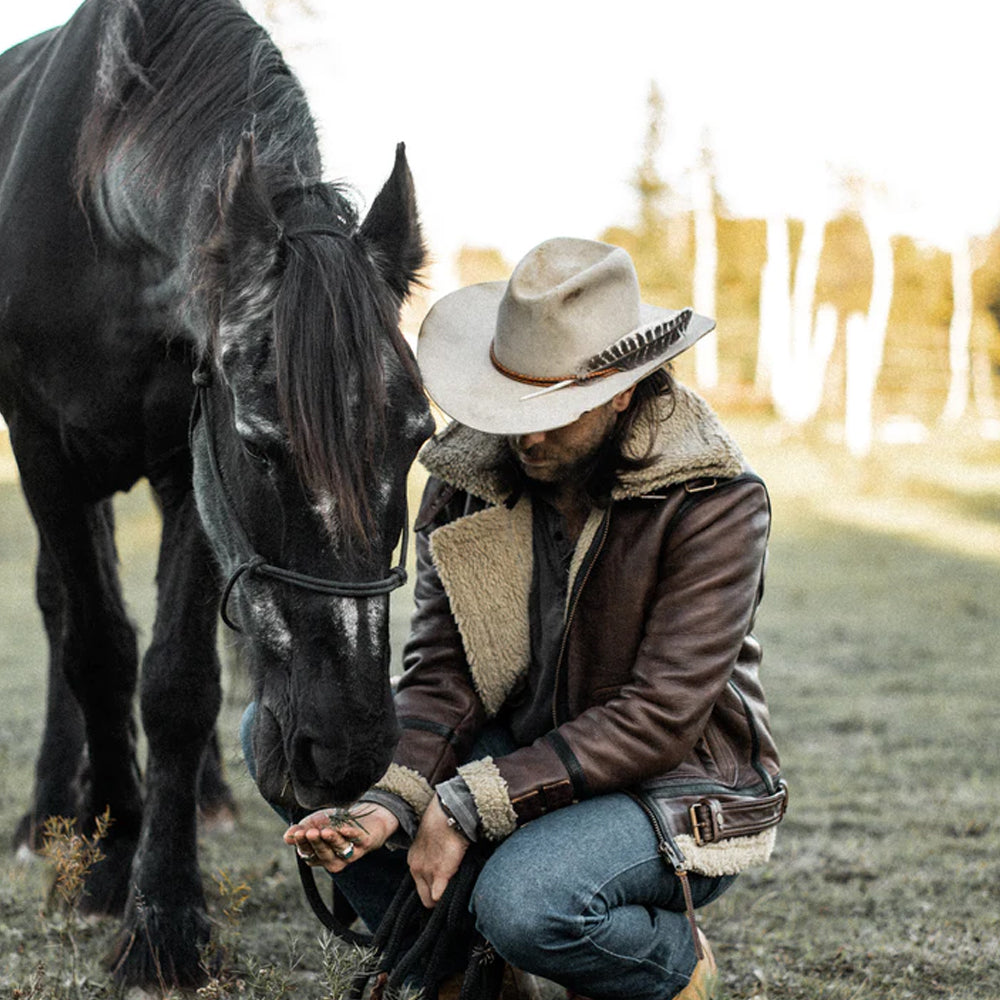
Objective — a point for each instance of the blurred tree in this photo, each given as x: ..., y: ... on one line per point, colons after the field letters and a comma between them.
x: 660, y: 243
x: 796, y: 338
x: 652, y: 190
x: 986, y: 325
x: 476, y: 264
x: 742, y: 249
x: 704, y: 198
x: 775, y: 306
x: 866, y: 334
x: 973, y: 341
x: 845, y: 267
x: 959, y: 332
x: 835, y: 315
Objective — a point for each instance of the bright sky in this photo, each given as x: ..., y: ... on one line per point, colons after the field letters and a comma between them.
x: 524, y: 120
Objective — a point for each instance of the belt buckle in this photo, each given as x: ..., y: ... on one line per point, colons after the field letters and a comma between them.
x: 696, y: 823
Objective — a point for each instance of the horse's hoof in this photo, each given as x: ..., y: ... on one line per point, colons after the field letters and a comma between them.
x: 161, y: 951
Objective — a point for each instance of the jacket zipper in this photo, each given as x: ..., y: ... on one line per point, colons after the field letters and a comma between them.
x: 574, y: 602
x: 665, y: 843
x: 754, y: 741
x: 605, y: 526
x: 672, y: 855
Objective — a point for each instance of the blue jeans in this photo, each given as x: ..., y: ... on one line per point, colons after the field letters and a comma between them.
x: 580, y: 896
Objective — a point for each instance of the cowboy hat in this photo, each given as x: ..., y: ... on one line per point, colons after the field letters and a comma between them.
x: 564, y: 335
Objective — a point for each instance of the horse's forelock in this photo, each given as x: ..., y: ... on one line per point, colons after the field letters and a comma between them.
x: 332, y: 315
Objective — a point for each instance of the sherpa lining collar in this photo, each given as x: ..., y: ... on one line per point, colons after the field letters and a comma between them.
x: 690, y: 443
x: 484, y: 561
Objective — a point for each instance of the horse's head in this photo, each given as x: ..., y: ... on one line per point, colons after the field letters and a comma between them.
x: 311, y: 414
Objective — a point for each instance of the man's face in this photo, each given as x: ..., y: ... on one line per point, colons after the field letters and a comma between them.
x: 565, y: 455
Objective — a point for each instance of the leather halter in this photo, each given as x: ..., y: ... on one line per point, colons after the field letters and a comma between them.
x: 254, y: 564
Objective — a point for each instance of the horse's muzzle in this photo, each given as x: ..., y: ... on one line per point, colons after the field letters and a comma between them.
x: 302, y: 771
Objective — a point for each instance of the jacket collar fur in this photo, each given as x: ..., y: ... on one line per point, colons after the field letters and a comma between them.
x: 689, y: 443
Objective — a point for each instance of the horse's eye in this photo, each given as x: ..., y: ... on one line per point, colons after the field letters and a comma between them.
x: 256, y: 454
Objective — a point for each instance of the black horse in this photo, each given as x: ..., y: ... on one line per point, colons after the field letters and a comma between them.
x: 163, y: 222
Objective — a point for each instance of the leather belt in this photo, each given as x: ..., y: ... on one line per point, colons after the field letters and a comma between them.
x: 715, y: 819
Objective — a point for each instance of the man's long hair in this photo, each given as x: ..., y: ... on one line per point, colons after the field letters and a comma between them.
x: 623, y: 451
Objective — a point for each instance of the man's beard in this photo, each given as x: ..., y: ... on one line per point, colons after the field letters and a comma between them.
x: 585, y: 471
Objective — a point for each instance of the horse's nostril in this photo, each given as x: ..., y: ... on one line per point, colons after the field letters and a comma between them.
x: 304, y: 763
x: 315, y: 763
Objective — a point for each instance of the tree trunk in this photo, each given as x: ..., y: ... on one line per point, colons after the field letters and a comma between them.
x: 858, y: 395
x: 866, y: 338
x: 773, y: 342
x: 959, y: 333
x: 803, y: 348
x: 706, y: 255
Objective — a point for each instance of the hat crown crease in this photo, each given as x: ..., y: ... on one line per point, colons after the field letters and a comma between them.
x: 561, y: 308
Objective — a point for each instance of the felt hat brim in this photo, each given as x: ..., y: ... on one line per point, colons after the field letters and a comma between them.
x: 453, y: 353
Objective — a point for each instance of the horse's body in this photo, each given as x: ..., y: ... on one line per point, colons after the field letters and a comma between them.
x: 161, y: 212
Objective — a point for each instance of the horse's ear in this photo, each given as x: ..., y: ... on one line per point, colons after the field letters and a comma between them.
x: 245, y: 239
x: 391, y: 230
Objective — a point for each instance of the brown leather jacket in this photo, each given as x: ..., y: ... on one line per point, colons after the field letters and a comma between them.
x: 657, y: 686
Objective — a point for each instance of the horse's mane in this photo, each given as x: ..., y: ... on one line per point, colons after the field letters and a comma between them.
x: 180, y: 86
x: 181, y: 80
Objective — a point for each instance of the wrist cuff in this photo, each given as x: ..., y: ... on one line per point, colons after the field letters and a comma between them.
x: 489, y: 790
x: 412, y: 787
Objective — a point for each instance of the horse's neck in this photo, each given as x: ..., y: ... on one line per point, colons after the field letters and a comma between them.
x: 163, y: 231
x: 164, y: 222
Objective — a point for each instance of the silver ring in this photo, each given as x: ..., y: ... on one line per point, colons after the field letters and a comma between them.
x: 305, y: 855
x: 345, y: 854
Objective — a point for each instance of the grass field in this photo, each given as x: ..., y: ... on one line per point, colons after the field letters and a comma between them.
x: 881, y: 631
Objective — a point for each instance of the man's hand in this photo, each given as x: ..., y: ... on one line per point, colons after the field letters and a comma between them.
x: 333, y: 846
x: 435, y: 855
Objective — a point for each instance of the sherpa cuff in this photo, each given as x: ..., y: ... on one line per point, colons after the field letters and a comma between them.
x: 409, y: 785
x: 727, y: 857
x: 496, y: 813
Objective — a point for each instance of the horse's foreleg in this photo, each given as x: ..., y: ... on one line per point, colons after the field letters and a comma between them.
x: 101, y: 669
x: 166, y: 926
x: 57, y: 768
x: 94, y: 651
